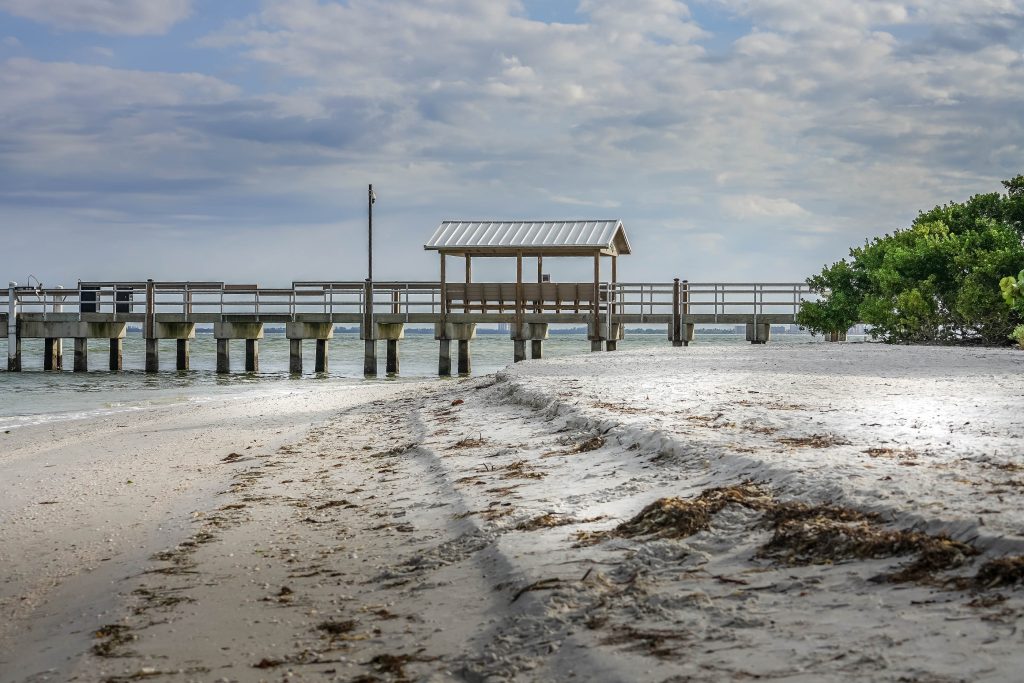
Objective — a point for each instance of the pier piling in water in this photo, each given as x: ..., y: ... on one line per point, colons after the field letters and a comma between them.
x: 53, y: 354
x: 81, y: 354
x: 444, y: 358
x: 116, y: 355
x: 252, y: 355
x: 249, y: 330
x: 223, y: 356
x: 319, y: 331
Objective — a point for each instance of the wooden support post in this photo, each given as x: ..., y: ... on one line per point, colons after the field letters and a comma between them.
x: 536, y: 349
x: 595, y: 345
x: 223, y: 356
x: 611, y: 345
x: 518, y: 350
x: 252, y: 355
x: 370, y: 358
x: 295, y: 356
x: 685, y: 329
x: 53, y: 357
x: 320, y: 362
x: 152, y: 355
x: 182, y: 354
x: 444, y: 358
x: 465, y: 366
x: 116, y: 355
x: 391, y: 363
x: 81, y: 354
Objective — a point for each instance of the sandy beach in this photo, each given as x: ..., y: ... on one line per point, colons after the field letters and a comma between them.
x: 788, y: 512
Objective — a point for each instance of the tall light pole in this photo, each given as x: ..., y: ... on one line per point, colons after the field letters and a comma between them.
x: 369, y: 329
x: 370, y: 199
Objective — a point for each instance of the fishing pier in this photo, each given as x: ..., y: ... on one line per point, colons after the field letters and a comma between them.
x: 309, y: 311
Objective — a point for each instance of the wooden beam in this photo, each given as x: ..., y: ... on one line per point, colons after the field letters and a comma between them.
x: 469, y: 279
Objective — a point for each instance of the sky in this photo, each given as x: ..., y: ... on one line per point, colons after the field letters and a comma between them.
x: 738, y: 140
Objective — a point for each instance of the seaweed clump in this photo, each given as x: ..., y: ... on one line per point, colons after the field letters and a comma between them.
x: 1004, y: 571
x: 682, y: 517
x: 826, y: 534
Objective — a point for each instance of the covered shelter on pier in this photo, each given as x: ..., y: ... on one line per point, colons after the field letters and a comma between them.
x: 532, y: 240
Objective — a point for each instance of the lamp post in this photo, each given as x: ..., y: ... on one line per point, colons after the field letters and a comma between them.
x: 369, y: 329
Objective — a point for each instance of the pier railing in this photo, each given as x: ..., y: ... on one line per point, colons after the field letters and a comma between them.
x: 624, y: 301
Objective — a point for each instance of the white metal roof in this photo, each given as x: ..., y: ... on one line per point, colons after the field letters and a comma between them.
x: 607, y: 236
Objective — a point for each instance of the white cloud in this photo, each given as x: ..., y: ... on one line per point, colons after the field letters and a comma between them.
x: 838, y: 113
x: 115, y: 17
x: 754, y: 206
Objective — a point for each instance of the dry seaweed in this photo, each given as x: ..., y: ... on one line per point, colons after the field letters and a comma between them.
x: 813, y: 441
x: 825, y: 535
x: 551, y: 520
x: 520, y: 469
x: 654, y: 642
x: 336, y: 628
x: 681, y: 517
x: 112, y: 637
x: 1003, y: 571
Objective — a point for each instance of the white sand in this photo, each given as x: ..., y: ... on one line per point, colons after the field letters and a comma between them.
x: 374, y: 533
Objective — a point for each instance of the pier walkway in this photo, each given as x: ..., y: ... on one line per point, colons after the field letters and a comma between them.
x: 382, y: 310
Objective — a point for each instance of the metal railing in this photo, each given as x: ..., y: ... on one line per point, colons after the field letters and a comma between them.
x: 409, y: 298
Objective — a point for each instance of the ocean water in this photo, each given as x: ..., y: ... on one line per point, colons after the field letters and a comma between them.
x: 34, y: 396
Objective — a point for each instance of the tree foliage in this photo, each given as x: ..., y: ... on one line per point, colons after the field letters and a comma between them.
x: 942, y: 280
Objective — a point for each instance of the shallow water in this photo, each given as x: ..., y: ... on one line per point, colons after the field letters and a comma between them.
x: 34, y: 396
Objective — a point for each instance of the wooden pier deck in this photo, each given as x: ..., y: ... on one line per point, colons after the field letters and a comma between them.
x: 311, y: 310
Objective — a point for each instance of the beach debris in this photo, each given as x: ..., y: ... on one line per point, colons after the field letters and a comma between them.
x: 520, y: 469
x: 112, y: 637
x: 335, y: 504
x: 232, y: 457
x: 458, y: 402
x: 1003, y: 571
x: 468, y: 443
x: 541, y: 585
x: 336, y: 628
x: 813, y: 441
x: 826, y: 534
x: 654, y: 642
x: 267, y: 663
x: 551, y: 520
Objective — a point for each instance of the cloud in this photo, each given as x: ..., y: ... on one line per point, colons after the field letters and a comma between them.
x: 754, y: 206
x: 838, y: 113
x: 114, y: 17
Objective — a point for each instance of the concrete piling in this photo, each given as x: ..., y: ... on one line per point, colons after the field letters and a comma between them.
x: 370, y: 358
x: 295, y: 356
x: 392, y: 364
x: 758, y: 333
x: 116, y: 355
x: 464, y: 357
x: 13, y: 338
x: 223, y: 356
x: 252, y: 355
x: 81, y: 354
x: 518, y: 350
x: 536, y: 349
x: 444, y: 358
x: 152, y: 355
x: 596, y: 345
x: 182, y: 354
x: 611, y: 345
x: 320, y: 362
x: 53, y: 354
